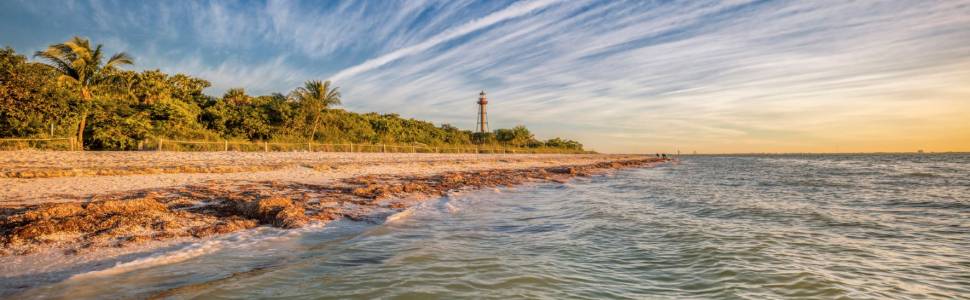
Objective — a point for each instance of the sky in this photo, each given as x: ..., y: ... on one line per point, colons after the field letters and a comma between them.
x: 619, y: 76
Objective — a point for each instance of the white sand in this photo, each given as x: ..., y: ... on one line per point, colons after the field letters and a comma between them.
x: 301, y: 167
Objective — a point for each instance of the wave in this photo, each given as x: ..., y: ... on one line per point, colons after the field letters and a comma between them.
x: 451, y: 208
x: 444, y: 204
x: 183, y: 254
x: 236, y: 240
x: 404, y: 214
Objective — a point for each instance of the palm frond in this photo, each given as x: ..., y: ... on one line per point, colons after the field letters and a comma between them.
x: 79, y: 63
x: 79, y: 41
x: 61, y: 50
x: 96, y: 56
x: 120, y: 58
x: 79, y: 47
x: 56, y: 62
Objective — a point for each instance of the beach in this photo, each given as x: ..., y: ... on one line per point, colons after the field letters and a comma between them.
x: 70, y: 212
x: 795, y: 226
x: 34, y: 177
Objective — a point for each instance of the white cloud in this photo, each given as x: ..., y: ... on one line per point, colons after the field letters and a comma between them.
x: 257, y: 79
x: 516, y: 10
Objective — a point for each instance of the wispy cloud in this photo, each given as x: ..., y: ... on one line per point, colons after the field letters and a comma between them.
x: 260, y: 78
x: 516, y: 10
x: 708, y: 76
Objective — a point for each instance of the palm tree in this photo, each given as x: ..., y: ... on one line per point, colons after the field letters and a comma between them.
x: 315, y: 97
x: 82, y: 67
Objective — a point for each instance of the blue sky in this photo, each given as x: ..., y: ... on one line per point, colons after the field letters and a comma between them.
x: 620, y: 76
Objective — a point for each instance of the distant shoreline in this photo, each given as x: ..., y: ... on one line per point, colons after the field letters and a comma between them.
x: 825, y: 153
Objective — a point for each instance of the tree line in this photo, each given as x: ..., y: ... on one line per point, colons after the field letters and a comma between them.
x: 75, y: 89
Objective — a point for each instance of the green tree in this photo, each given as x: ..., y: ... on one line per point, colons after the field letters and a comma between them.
x: 518, y: 136
x: 315, y: 97
x: 483, y: 138
x: 116, y: 109
x: 188, y: 88
x: 30, y: 99
x: 563, y: 144
x: 280, y: 114
x: 114, y: 125
x: 451, y: 135
x: 504, y: 136
x: 236, y: 96
x: 84, y: 68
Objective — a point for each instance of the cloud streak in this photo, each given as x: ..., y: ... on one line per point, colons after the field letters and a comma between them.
x: 516, y: 10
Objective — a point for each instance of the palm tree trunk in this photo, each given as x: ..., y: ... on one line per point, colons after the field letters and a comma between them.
x: 80, y: 129
x: 313, y: 131
x: 86, y: 100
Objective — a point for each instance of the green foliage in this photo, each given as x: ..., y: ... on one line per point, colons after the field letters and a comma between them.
x: 563, y: 144
x: 486, y: 138
x: 83, y: 66
x: 126, y: 109
x: 25, y: 90
x: 314, y: 97
x: 84, y: 69
x: 116, y: 126
x: 518, y: 136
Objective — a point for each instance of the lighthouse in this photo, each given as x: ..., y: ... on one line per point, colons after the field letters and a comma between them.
x: 482, y: 125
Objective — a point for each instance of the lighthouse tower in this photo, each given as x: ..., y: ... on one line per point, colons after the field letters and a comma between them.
x: 482, y: 125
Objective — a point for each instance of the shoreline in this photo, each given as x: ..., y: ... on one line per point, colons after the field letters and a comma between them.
x: 135, y: 216
x: 50, y: 241
x: 129, y: 171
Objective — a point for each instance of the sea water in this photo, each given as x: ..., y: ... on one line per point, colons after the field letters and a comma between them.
x: 717, y: 227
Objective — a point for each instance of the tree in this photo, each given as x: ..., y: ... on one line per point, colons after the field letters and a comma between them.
x: 315, y: 97
x: 30, y: 99
x: 483, y: 138
x: 82, y: 67
x: 518, y: 136
x: 564, y: 144
x: 188, y: 88
x: 236, y: 96
x: 78, y: 90
x: 504, y: 136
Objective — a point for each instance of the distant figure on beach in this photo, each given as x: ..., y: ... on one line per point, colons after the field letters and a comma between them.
x: 664, y: 155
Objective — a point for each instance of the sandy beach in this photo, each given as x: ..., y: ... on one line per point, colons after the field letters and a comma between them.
x: 62, y: 213
x: 34, y: 177
x: 75, y: 201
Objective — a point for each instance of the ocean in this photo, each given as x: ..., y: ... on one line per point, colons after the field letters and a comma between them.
x: 707, y: 227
